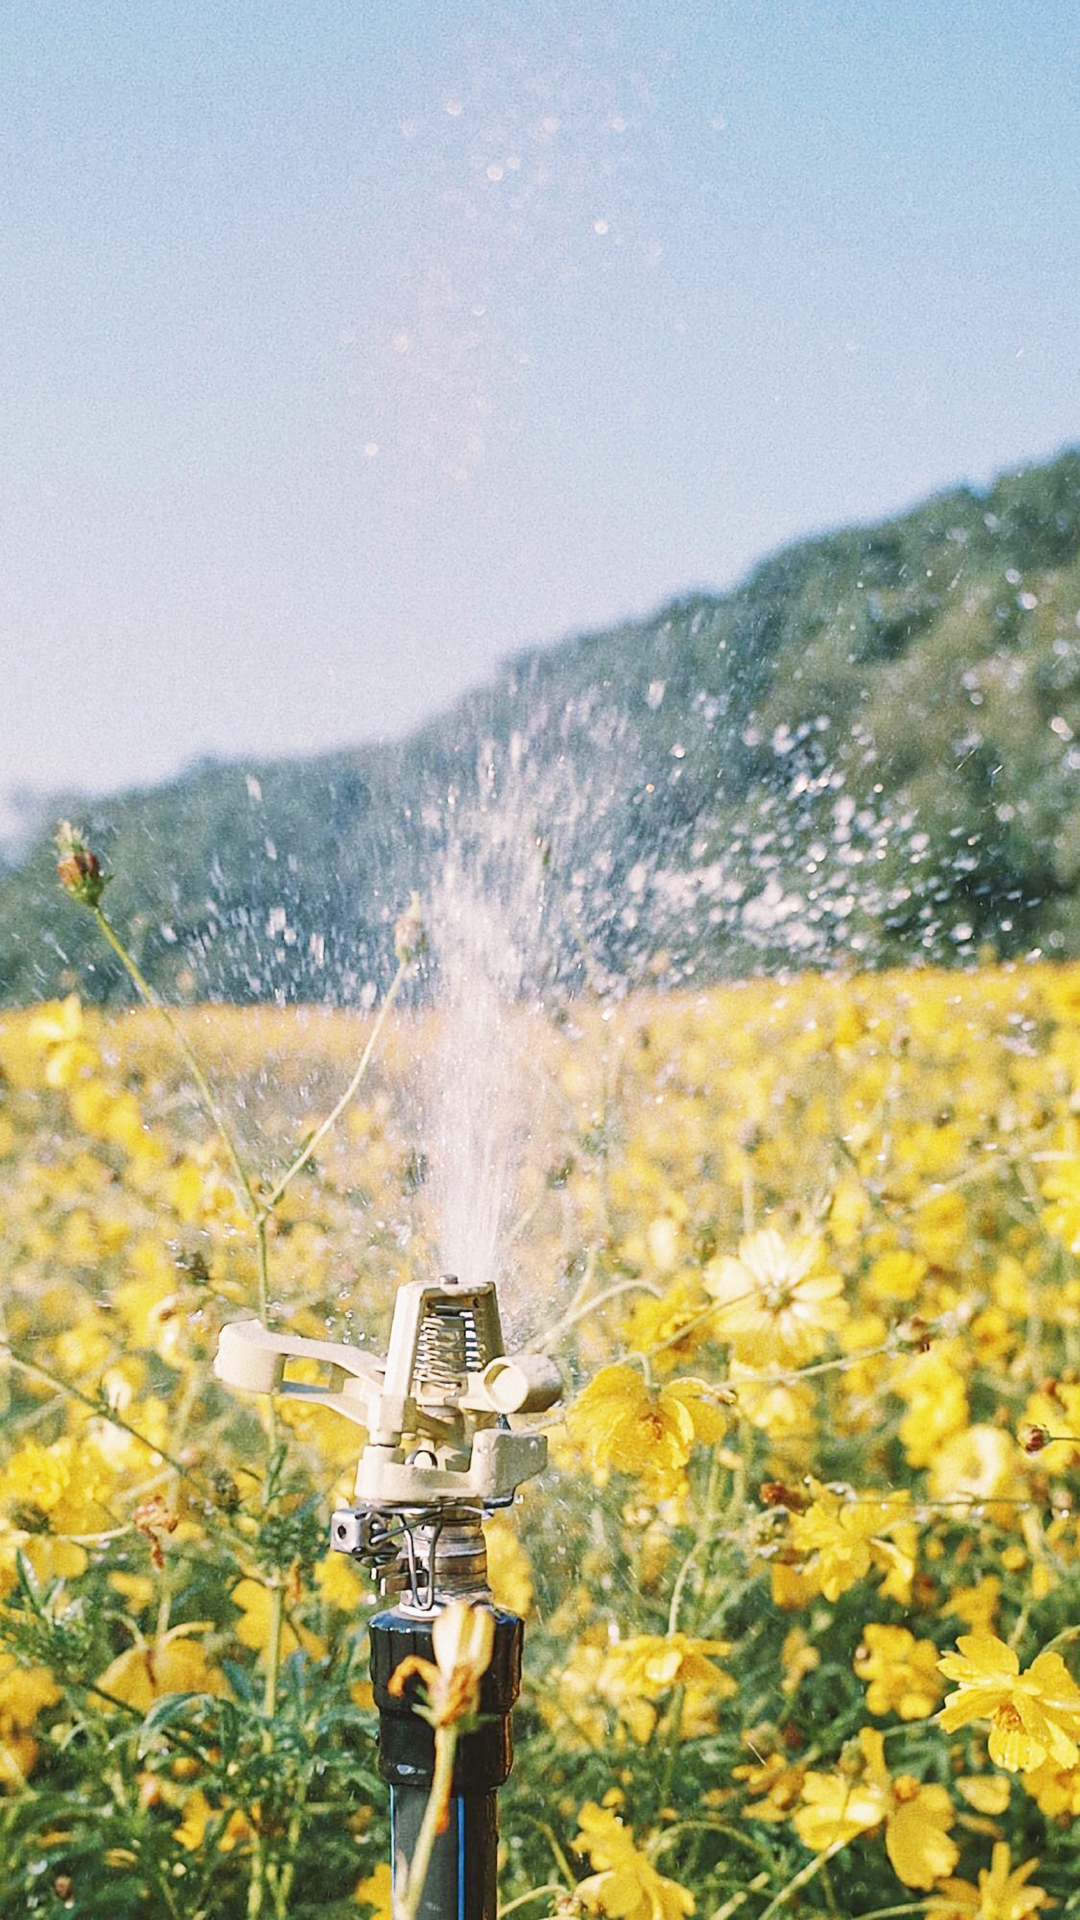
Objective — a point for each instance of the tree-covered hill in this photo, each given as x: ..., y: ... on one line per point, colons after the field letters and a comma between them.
x: 868, y: 752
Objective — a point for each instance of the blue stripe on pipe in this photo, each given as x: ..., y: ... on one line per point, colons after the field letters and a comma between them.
x: 461, y: 1861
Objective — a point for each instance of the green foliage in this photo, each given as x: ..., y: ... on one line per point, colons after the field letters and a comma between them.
x: 868, y: 752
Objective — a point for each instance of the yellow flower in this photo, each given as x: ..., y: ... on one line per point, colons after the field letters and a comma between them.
x: 627, y: 1887
x: 1035, y: 1716
x: 376, y: 1892
x: 782, y: 1411
x: 174, y: 1664
x: 778, y: 1784
x: 916, y: 1818
x: 509, y: 1572
x: 1000, y: 1895
x: 339, y: 1582
x: 198, y: 1814
x: 569, y: 1701
x: 894, y: 1276
x: 671, y: 1329
x: 253, y: 1626
x: 901, y: 1672
x: 936, y: 1397
x: 24, y: 1693
x: 620, y: 1422
x: 843, y: 1536
x: 940, y: 1227
x: 798, y: 1657
x: 1056, y: 1790
x: 1063, y: 1218
x: 977, y: 1606
x: 1057, y: 1408
x: 650, y: 1665
x: 773, y: 1304
x: 981, y: 1464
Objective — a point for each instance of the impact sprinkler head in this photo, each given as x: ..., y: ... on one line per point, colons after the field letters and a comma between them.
x: 439, y: 1452
x: 439, y: 1455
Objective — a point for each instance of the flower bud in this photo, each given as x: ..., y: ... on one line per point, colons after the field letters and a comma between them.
x: 1033, y: 1438
x: 774, y: 1493
x: 911, y: 1335
x: 77, y: 868
x: 410, y: 934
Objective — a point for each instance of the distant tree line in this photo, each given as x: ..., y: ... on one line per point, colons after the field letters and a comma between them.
x: 867, y: 754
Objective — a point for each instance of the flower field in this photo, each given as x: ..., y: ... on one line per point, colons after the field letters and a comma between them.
x: 802, y: 1582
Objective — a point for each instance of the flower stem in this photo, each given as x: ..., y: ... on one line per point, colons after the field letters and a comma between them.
x: 407, y: 1903
x: 273, y: 1649
x: 308, y: 1149
x: 801, y: 1879
x: 553, y: 1886
x: 153, y: 999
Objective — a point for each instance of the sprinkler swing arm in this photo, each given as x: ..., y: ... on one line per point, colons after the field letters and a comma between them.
x: 435, y: 1409
x: 439, y: 1454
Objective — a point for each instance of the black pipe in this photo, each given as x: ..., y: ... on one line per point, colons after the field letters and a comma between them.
x: 460, y: 1883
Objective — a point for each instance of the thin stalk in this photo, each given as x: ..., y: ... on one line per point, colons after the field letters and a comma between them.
x: 288, y: 1871
x: 1062, y: 1639
x: 568, y: 1320
x: 257, y: 1883
x: 802, y: 1879
x: 407, y: 1905
x: 558, y: 1855
x: 263, y: 1254
x: 553, y: 1886
x: 829, y: 1892
x: 759, y: 1882
x: 273, y: 1651
x: 206, y: 1093
x: 114, y: 1418
x: 892, y: 1913
x: 673, y: 1748
x: 306, y: 1152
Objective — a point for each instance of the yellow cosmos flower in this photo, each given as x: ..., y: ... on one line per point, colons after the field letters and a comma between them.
x: 933, y: 1387
x: 620, y: 1422
x: 24, y: 1693
x: 843, y: 1536
x: 900, y: 1671
x: 650, y: 1665
x: 982, y: 1465
x: 176, y: 1663
x: 1035, y: 1716
x: 1062, y: 1218
x: 253, y: 1626
x: 509, y: 1572
x: 916, y: 1818
x: 627, y: 1887
x: 376, y: 1892
x: 977, y: 1606
x: 672, y: 1329
x: 198, y: 1813
x: 339, y: 1582
x: 1000, y: 1894
x: 1056, y: 1790
x: 894, y: 1276
x: 772, y: 1303
x: 783, y: 1411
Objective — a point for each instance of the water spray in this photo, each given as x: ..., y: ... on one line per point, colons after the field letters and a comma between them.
x: 440, y: 1454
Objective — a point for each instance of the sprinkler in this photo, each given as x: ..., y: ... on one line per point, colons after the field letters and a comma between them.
x: 439, y: 1456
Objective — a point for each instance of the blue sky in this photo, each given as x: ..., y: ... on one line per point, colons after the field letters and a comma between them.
x: 349, y: 347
